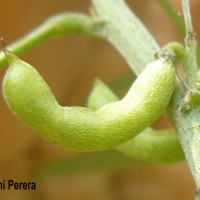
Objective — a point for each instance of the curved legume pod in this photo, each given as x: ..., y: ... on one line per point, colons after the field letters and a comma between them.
x: 79, y: 128
x: 150, y: 146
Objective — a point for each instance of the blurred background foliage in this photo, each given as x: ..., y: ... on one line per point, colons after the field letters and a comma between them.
x: 69, y: 65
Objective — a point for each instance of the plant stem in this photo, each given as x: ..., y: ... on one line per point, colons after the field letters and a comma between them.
x: 173, y: 14
x: 187, y: 17
x: 187, y: 122
x: 190, y: 65
x: 125, y: 31
x: 56, y: 26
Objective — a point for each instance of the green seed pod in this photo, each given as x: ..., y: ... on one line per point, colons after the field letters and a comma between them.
x: 79, y: 128
x: 150, y: 146
x: 154, y: 146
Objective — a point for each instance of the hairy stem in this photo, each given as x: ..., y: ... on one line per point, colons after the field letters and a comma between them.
x: 127, y: 34
x: 187, y: 121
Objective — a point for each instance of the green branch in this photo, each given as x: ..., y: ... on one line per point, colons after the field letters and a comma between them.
x: 126, y: 32
x: 56, y: 26
x: 184, y: 115
x: 190, y: 65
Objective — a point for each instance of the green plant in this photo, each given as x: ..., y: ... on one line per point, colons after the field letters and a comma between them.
x: 130, y: 37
